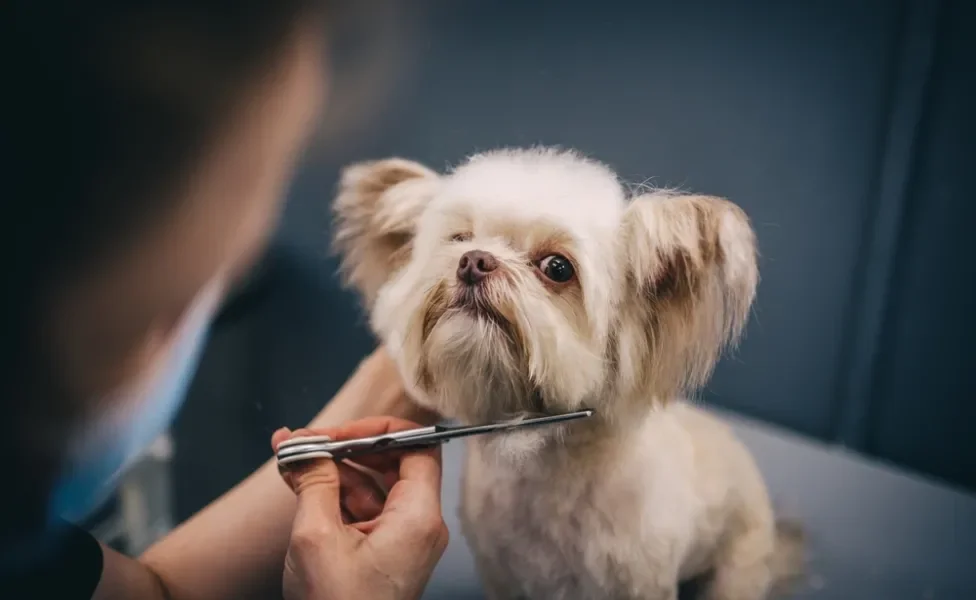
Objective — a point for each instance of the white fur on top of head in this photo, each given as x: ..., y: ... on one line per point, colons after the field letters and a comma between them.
x: 663, y: 282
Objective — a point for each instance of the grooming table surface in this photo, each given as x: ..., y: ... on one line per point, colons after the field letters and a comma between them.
x: 876, y: 533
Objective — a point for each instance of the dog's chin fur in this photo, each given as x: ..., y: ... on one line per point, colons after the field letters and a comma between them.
x: 649, y: 491
x: 465, y: 336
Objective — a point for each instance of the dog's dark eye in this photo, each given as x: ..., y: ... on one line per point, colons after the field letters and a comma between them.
x: 557, y: 268
x: 460, y: 237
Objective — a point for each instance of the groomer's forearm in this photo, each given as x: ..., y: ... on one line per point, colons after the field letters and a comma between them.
x: 235, y: 547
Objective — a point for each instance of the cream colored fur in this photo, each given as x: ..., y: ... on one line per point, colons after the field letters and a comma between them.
x: 649, y: 492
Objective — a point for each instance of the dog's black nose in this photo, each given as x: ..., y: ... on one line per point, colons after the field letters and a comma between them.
x: 475, y: 265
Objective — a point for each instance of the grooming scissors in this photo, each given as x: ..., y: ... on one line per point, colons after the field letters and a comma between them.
x: 312, y: 447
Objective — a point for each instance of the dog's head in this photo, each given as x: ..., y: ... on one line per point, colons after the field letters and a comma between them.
x: 527, y: 282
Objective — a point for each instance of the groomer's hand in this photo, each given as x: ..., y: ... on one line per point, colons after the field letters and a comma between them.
x: 362, y: 535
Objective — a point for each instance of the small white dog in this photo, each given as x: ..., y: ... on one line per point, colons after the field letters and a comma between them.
x: 526, y: 282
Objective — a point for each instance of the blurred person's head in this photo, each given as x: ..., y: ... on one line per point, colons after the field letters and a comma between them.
x: 147, y: 150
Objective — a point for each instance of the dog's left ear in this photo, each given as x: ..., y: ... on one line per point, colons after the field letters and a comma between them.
x: 376, y: 212
x: 693, y: 272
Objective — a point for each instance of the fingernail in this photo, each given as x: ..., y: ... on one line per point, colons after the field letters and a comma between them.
x: 281, y: 435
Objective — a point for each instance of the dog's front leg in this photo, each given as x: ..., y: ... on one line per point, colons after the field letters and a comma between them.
x: 742, y: 570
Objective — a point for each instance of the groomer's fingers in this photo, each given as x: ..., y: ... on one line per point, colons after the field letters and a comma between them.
x: 419, y: 484
x: 387, y: 462
x: 317, y: 484
x: 412, y: 515
x: 361, y: 496
x: 279, y: 436
x: 368, y: 427
x: 422, y: 465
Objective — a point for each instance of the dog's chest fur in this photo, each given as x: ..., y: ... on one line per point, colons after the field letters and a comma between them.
x: 608, y: 529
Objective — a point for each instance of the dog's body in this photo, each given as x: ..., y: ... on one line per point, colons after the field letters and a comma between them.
x: 526, y: 282
x: 674, y: 499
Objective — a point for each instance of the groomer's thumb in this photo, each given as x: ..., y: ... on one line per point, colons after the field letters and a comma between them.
x: 318, y: 513
x: 316, y: 484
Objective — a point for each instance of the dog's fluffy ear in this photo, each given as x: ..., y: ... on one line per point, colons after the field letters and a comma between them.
x: 376, y: 212
x: 692, y: 266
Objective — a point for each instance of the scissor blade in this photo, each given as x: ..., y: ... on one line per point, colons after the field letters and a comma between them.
x: 446, y: 433
x: 318, y: 447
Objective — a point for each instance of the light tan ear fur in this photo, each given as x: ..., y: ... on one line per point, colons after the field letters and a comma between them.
x: 693, y: 275
x: 375, y: 215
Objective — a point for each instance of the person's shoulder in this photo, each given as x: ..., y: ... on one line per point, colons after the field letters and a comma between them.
x: 66, y: 564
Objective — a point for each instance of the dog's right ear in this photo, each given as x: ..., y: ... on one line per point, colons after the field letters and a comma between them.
x: 376, y: 212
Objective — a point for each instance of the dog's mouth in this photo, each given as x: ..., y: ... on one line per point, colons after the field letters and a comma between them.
x: 472, y: 300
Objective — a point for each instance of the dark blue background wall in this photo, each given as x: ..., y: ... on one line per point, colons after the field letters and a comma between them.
x: 844, y: 128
